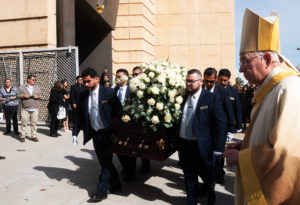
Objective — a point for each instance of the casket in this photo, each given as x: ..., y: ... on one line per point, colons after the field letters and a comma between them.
x: 136, y: 141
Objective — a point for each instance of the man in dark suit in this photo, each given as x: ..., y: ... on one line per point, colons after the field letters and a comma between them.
x: 210, y: 79
x: 200, y: 126
x: 232, y: 92
x: 98, y: 105
x: 75, y: 91
x: 122, y: 91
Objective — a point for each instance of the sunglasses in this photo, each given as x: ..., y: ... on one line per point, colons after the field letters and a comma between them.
x: 209, y: 81
x: 135, y: 74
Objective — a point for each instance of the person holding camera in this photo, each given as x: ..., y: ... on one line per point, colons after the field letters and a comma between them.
x: 8, y: 97
x: 29, y: 95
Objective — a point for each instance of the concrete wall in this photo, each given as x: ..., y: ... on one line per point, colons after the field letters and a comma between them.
x: 193, y: 33
x: 27, y: 24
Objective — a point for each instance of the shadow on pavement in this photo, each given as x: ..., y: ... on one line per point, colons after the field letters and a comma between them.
x: 86, y: 176
x: 83, y: 177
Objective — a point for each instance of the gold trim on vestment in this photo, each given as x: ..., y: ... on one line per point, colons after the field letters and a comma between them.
x: 274, y: 81
x: 251, y: 186
x: 252, y: 189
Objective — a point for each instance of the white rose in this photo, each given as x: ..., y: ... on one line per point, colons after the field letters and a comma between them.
x: 172, y: 93
x: 179, y: 99
x: 151, y: 101
x: 150, y: 110
x: 124, y: 78
x: 172, y: 81
x: 172, y: 99
x: 147, y: 80
x: 161, y: 78
x: 168, y: 117
x: 155, y: 90
x: 163, y: 90
x: 140, y: 94
x: 151, y: 67
x: 155, y: 119
x: 142, y: 86
x: 159, y: 106
x: 125, y: 118
x: 177, y: 106
x: 151, y: 75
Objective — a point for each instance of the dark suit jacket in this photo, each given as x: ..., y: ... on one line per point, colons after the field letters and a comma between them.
x: 208, y: 125
x: 235, y: 106
x: 222, y: 95
x: 109, y: 108
x: 74, y: 94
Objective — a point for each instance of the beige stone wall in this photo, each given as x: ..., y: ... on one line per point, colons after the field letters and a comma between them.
x: 27, y: 24
x: 196, y: 33
x: 133, y: 38
x: 193, y: 33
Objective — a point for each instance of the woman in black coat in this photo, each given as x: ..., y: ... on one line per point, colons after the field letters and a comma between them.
x: 56, y: 99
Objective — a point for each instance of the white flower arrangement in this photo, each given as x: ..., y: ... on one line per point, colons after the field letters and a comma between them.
x: 156, y: 95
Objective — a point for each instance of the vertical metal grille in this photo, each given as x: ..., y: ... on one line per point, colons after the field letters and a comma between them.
x: 48, y: 65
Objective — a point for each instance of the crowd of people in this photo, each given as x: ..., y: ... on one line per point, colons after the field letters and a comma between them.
x: 212, y: 110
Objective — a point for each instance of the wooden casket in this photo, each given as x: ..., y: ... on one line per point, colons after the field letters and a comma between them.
x: 133, y: 140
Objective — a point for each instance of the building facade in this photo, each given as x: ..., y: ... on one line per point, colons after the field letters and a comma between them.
x: 194, y: 33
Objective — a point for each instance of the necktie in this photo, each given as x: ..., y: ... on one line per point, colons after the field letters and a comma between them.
x: 94, y: 112
x: 189, y: 119
x: 120, y: 94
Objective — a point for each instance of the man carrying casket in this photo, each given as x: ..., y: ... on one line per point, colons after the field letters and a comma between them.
x: 200, y: 125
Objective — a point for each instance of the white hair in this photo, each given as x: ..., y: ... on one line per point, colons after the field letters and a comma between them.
x: 275, y: 57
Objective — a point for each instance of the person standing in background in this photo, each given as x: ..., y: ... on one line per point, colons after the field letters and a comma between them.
x: 29, y: 95
x: 66, y: 96
x: 10, y: 104
x: 56, y: 100
x: 75, y: 91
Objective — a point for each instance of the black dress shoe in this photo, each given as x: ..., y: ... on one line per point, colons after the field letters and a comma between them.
x: 6, y: 133
x: 97, y: 197
x: 2, y: 157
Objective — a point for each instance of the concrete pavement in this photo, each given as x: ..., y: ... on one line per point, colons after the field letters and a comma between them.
x: 53, y: 171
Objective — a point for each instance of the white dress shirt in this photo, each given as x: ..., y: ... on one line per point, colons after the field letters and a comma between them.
x: 93, y: 109
x: 194, y: 99
x: 123, y: 90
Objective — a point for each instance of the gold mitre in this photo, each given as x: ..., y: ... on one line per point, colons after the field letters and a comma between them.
x: 260, y: 34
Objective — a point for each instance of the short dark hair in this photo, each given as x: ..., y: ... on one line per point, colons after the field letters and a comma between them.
x: 210, y: 71
x: 123, y: 71
x: 79, y: 76
x: 137, y: 68
x: 30, y: 76
x: 89, y: 72
x: 192, y: 71
x: 225, y: 72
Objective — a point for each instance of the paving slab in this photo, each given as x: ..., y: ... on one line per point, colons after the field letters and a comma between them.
x: 53, y: 171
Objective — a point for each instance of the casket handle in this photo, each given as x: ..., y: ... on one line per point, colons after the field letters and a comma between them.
x: 161, y: 144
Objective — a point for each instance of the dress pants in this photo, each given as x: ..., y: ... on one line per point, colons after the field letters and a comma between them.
x: 75, y: 131
x: 11, y: 112
x: 54, y: 122
x: 33, y: 117
x: 192, y: 165
x: 109, y: 176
